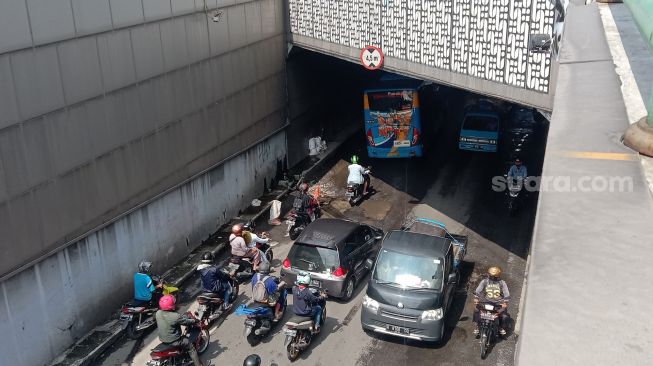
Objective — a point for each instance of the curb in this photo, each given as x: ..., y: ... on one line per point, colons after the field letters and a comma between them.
x: 116, y: 328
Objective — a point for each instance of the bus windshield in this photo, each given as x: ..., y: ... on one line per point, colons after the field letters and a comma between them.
x: 481, y: 123
x: 390, y: 101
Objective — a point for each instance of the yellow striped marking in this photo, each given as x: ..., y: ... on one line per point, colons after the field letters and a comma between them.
x: 597, y: 155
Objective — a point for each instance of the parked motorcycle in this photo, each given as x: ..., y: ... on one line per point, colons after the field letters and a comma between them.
x: 257, y: 314
x: 167, y: 355
x: 210, y: 304
x: 515, y: 187
x: 354, y: 191
x: 137, y: 316
x: 299, y: 331
x: 488, y: 326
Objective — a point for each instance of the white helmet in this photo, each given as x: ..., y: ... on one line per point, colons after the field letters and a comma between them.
x: 303, y: 278
x: 144, y: 267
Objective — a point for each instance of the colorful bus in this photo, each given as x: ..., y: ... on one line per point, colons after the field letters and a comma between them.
x: 392, y: 118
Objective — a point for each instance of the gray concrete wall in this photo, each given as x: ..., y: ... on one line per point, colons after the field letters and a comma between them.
x: 45, y: 308
x: 107, y: 103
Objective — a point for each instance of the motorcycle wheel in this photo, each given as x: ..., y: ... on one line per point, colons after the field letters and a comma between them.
x: 511, y: 209
x: 351, y: 202
x: 253, y: 339
x: 269, y: 255
x: 205, y: 338
x: 294, y: 232
x: 235, y: 290
x: 132, y: 333
x: 292, y: 352
x: 484, y: 344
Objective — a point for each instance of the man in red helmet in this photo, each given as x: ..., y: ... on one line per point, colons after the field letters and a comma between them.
x: 305, y: 204
x: 239, y: 246
x: 169, y: 323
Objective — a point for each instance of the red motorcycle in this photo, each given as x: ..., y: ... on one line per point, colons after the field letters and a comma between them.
x: 167, y: 355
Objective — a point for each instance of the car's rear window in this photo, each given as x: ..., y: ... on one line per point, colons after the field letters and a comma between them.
x: 312, y: 258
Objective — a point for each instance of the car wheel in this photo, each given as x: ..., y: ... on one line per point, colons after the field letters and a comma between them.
x: 348, y: 289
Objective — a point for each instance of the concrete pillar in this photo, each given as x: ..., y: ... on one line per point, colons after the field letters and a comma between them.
x: 639, y: 136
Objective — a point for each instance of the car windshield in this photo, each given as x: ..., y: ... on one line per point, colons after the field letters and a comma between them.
x: 409, y: 271
x: 481, y: 123
x: 522, y: 118
x: 313, y: 258
x: 390, y: 101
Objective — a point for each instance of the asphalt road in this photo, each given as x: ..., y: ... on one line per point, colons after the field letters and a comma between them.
x: 457, y: 188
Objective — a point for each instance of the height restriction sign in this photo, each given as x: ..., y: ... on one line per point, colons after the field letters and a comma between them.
x: 372, y: 57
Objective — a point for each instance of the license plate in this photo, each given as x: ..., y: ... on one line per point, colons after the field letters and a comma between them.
x: 127, y: 317
x: 402, y: 143
x: 201, y: 308
x: 349, y: 194
x: 396, y: 329
x: 487, y: 316
x: 290, y: 332
x: 316, y: 283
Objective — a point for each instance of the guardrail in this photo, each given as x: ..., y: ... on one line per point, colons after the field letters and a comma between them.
x: 642, y: 11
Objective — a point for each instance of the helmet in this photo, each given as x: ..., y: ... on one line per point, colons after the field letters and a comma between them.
x: 167, y: 303
x: 303, y: 187
x: 354, y: 159
x: 264, y: 268
x: 237, y: 229
x: 252, y: 360
x: 494, y: 272
x: 144, y: 267
x: 208, y: 258
x: 248, y: 226
x: 303, y: 278
x: 517, y: 160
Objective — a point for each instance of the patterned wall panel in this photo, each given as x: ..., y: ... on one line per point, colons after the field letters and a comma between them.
x: 486, y: 39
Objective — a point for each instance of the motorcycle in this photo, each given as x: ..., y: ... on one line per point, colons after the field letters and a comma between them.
x: 257, y: 314
x: 354, y: 191
x: 167, y: 355
x: 515, y: 187
x: 210, y: 304
x: 299, y: 331
x: 488, y: 326
x: 137, y: 316
x: 241, y: 268
x: 299, y: 221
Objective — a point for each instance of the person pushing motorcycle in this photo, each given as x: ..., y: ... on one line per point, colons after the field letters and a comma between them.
x: 492, y: 290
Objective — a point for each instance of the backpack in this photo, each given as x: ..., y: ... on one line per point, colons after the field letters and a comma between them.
x: 259, y: 292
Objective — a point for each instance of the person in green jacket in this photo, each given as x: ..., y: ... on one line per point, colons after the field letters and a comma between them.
x: 169, y: 323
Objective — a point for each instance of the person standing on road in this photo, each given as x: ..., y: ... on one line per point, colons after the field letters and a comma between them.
x: 169, y: 322
x: 492, y: 290
x: 239, y: 247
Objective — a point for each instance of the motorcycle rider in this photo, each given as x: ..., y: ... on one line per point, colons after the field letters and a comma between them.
x: 274, y: 295
x: 517, y: 170
x: 304, y: 302
x: 493, y: 290
x: 215, y: 280
x: 251, y: 239
x: 358, y: 174
x: 144, y: 287
x: 252, y: 360
x: 239, y: 246
x: 169, y: 323
x: 305, y: 204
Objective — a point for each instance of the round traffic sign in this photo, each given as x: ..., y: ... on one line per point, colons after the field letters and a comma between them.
x: 372, y: 57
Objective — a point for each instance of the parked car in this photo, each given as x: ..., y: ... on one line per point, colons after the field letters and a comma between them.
x: 333, y: 251
x: 412, y: 286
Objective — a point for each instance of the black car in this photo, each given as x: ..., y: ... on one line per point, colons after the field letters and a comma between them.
x: 411, y: 289
x: 333, y: 251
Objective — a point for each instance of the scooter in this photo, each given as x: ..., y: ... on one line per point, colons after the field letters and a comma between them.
x: 259, y: 315
x: 241, y: 268
x: 300, y: 330
x: 138, y: 316
x: 354, y: 191
x: 210, y: 304
x: 167, y: 355
x: 515, y: 187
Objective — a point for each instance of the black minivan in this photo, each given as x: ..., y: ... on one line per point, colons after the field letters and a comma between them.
x: 411, y: 288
